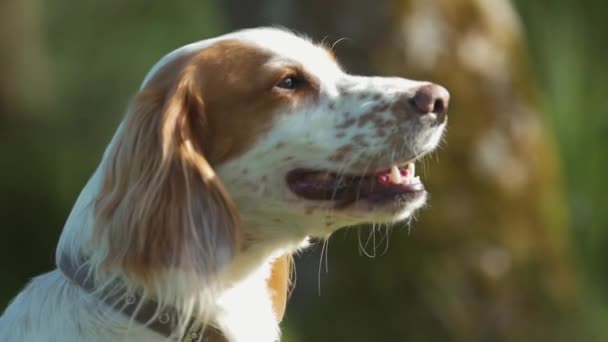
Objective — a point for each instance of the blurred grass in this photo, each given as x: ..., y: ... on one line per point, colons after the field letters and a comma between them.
x: 569, y: 56
x: 94, y: 56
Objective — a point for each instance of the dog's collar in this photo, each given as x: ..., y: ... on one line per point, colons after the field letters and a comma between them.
x: 132, y: 305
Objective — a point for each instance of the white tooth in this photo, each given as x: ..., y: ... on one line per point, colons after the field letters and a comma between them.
x: 416, y: 180
x: 412, y: 169
x: 395, y: 175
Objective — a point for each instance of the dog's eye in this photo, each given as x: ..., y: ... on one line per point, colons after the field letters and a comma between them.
x: 290, y: 82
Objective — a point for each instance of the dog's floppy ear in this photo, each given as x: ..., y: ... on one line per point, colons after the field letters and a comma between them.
x: 161, y: 205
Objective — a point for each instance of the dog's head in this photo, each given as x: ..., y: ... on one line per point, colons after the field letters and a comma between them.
x: 264, y: 127
x: 302, y: 145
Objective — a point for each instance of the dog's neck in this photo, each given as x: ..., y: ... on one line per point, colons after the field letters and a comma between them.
x: 257, y: 268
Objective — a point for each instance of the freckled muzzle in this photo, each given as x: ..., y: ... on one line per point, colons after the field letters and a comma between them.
x: 378, y: 124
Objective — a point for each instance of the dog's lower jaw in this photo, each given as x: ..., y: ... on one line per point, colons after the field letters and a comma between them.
x: 387, y: 212
x: 286, y: 223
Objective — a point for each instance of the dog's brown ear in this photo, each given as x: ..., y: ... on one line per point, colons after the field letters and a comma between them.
x: 161, y: 205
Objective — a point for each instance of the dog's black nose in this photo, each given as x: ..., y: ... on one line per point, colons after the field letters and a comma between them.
x: 432, y: 98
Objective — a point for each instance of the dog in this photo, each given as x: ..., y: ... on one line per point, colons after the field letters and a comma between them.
x: 234, y: 151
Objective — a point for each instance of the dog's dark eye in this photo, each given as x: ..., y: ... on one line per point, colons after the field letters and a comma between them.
x: 290, y: 82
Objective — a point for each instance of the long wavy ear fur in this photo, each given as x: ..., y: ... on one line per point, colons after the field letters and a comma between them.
x: 161, y: 206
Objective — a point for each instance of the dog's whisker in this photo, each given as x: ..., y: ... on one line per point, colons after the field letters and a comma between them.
x: 322, y: 43
x: 370, y: 238
x: 359, y: 242
x: 388, y: 233
x: 336, y: 43
x: 323, y: 245
x: 385, y: 229
x: 327, y: 255
x: 374, y: 237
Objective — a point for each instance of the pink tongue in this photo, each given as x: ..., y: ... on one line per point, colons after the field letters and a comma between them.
x: 384, y: 177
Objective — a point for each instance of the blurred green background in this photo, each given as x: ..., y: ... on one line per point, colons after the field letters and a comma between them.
x: 68, y: 70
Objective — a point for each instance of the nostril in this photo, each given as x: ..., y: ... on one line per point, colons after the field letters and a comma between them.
x: 438, y: 106
x: 432, y: 98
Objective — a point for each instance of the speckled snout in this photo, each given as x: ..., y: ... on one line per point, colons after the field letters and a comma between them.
x: 379, y: 121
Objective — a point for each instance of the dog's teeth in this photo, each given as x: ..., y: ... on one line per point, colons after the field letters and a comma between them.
x: 412, y: 169
x: 395, y: 175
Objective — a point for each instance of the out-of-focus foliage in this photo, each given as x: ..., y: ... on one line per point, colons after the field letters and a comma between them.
x: 68, y: 68
x: 567, y: 41
x: 567, y: 44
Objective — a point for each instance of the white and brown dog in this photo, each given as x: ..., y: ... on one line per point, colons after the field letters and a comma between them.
x: 234, y: 151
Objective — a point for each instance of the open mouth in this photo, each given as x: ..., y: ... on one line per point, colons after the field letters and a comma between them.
x: 381, y: 186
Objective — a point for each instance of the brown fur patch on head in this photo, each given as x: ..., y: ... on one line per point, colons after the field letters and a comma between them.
x: 237, y: 88
x: 240, y: 95
x: 161, y: 204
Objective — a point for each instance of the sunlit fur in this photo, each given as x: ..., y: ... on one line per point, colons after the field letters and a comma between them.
x: 189, y: 204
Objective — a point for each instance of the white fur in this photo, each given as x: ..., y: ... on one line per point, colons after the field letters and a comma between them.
x: 52, y: 309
